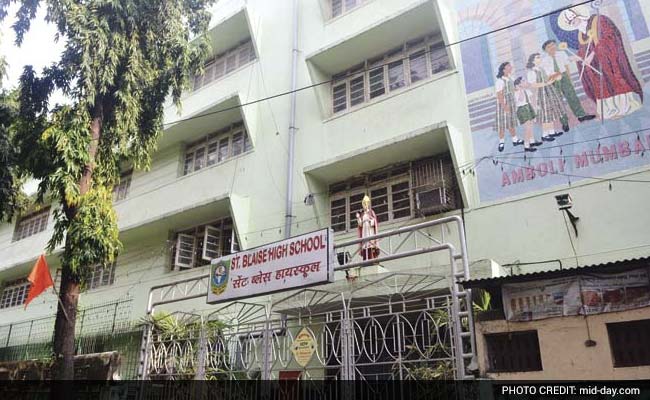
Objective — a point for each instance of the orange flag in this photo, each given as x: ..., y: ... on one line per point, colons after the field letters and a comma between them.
x: 40, y: 278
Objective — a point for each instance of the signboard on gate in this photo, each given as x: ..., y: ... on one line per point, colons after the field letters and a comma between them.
x: 294, y: 263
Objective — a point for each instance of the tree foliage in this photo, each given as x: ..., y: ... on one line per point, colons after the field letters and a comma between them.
x: 12, y: 199
x: 122, y: 59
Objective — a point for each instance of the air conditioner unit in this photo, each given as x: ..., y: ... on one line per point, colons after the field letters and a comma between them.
x: 432, y: 201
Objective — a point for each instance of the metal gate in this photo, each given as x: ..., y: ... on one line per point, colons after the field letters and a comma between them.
x: 383, y: 326
x: 392, y: 326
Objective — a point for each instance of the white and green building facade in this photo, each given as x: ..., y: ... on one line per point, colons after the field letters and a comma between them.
x: 396, y: 102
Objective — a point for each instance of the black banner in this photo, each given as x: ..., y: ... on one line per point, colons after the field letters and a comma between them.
x: 294, y: 390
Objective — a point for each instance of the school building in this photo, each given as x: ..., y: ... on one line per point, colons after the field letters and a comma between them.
x: 382, y: 110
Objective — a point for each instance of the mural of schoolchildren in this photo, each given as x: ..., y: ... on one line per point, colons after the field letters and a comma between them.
x: 506, y: 114
x: 605, y: 70
x: 550, y: 109
x: 557, y: 61
x: 525, y: 113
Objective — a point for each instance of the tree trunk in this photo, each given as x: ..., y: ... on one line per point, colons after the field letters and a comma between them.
x: 64, y: 327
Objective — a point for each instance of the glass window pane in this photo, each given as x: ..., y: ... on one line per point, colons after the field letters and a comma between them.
x: 189, y: 162
x: 439, y: 58
x: 219, y: 68
x: 247, y: 143
x: 199, y: 158
x: 355, y: 207
x: 379, y: 201
x: 237, y: 143
x: 396, y: 75
x: 231, y: 62
x: 223, y: 149
x: 418, y: 64
x: 340, y: 97
x: 376, y: 78
x: 357, y: 90
x: 337, y: 7
x: 198, y: 81
x: 209, y: 74
x: 350, y: 4
x: 401, y: 200
x: 337, y: 212
x: 212, y: 152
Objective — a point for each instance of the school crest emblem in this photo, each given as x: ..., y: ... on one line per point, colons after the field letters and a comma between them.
x: 219, y: 277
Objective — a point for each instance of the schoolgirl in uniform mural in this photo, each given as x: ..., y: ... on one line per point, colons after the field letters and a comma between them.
x: 506, y: 114
x: 526, y: 113
x: 549, y: 106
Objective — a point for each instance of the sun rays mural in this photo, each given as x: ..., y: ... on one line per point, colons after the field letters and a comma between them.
x: 558, y: 99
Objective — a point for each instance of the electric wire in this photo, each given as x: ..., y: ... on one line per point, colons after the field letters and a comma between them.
x: 325, y: 82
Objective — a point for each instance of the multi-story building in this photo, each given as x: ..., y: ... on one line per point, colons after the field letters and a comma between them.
x: 396, y: 102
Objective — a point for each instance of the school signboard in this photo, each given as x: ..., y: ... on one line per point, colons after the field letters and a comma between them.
x: 294, y: 263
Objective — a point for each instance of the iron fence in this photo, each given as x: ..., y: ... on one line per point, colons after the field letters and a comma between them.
x: 394, y: 327
x: 99, y: 328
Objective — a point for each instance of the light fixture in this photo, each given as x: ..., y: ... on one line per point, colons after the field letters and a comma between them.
x: 565, y: 203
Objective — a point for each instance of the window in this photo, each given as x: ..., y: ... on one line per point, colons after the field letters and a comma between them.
x: 101, y: 276
x: 14, y: 293
x: 630, y: 343
x: 396, y: 192
x: 513, y: 352
x: 121, y: 190
x: 340, y: 7
x: 389, y: 192
x: 225, y: 63
x: 227, y: 143
x: 197, y: 246
x: 31, y: 224
x: 98, y: 277
x: 403, y: 66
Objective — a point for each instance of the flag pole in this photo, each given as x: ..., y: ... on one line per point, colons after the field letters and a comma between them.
x: 65, y: 313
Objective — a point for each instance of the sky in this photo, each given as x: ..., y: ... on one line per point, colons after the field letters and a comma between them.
x: 38, y: 48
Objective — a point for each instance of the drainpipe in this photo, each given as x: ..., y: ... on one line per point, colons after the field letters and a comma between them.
x: 292, y: 125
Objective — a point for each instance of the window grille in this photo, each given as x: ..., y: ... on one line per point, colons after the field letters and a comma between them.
x: 392, y: 71
x: 31, y: 224
x: 101, y: 276
x: 513, y: 352
x: 121, y: 190
x: 340, y: 7
x: 216, y: 148
x: 394, y: 192
x: 630, y: 343
x: 201, y: 244
x: 226, y: 63
x: 14, y: 293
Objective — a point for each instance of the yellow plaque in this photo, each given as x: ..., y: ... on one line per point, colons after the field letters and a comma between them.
x: 303, y: 347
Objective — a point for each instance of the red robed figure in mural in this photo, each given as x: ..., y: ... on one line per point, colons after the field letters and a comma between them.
x: 602, y: 55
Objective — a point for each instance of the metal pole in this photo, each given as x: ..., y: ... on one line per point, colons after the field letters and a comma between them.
x: 292, y: 125
x: 114, y: 317
x: 267, y: 344
x: 201, y: 354
x: 147, y: 332
x: 29, y: 337
x: 9, y: 335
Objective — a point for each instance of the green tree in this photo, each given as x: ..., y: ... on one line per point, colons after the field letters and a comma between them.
x: 12, y: 199
x: 122, y: 59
